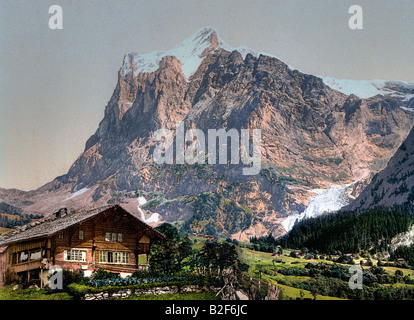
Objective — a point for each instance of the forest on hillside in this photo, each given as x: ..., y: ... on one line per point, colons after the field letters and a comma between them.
x: 350, y: 232
x: 11, y: 216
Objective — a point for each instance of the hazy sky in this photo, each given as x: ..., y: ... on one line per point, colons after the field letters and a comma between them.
x: 55, y: 84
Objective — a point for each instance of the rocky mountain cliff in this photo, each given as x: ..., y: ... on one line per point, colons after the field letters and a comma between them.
x: 312, y: 137
x: 394, y: 184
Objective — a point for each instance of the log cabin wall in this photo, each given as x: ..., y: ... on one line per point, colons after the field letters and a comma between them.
x: 22, y: 257
x: 4, y: 262
x: 27, y: 255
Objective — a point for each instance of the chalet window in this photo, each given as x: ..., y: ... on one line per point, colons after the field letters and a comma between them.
x: 113, y: 236
x: 113, y: 257
x: 81, y: 235
x: 121, y: 257
x: 75, y: 255
x: 26, y: 256
x: 23, y: 256
x: 60, y: 235
x: 102, y: 257
x: 36, y: 254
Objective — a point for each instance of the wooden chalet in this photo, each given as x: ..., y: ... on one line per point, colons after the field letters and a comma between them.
x: 107, y: 238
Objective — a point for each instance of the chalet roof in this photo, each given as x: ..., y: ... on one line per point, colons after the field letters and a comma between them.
x: 52, y: 224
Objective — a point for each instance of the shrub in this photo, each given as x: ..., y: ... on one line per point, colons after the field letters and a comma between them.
x: 102, y: 274
x: 159, y: 280
x: 145, y: 274
x: 293, y: 254
x: 399, y: 273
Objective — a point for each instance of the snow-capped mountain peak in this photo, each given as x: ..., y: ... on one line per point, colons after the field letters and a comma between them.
x: 190, y: 52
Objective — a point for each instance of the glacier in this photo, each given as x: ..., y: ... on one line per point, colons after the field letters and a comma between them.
x: 326, y: 200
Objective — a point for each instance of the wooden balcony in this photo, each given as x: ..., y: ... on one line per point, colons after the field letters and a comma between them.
x: 24, y: 266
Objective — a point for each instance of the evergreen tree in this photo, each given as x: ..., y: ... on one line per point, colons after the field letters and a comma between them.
x: 166, y: 256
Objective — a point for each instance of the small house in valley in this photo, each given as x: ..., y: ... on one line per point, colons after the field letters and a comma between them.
x: 107, y: 238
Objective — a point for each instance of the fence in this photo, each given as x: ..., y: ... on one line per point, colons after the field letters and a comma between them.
x: 257, y: 289
x: 246, y: 287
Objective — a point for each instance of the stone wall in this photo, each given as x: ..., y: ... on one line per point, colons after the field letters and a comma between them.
x: 123, y: 293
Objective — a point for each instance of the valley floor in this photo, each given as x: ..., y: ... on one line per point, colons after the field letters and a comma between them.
x: 287, y: 274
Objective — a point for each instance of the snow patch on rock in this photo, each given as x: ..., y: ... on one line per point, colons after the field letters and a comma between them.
x: 365, y: 89
x: 141, y: 201
x: 153, y: 218
x: 77, y: 193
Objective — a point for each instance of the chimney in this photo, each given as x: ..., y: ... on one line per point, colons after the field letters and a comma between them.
x: 61, y: 212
